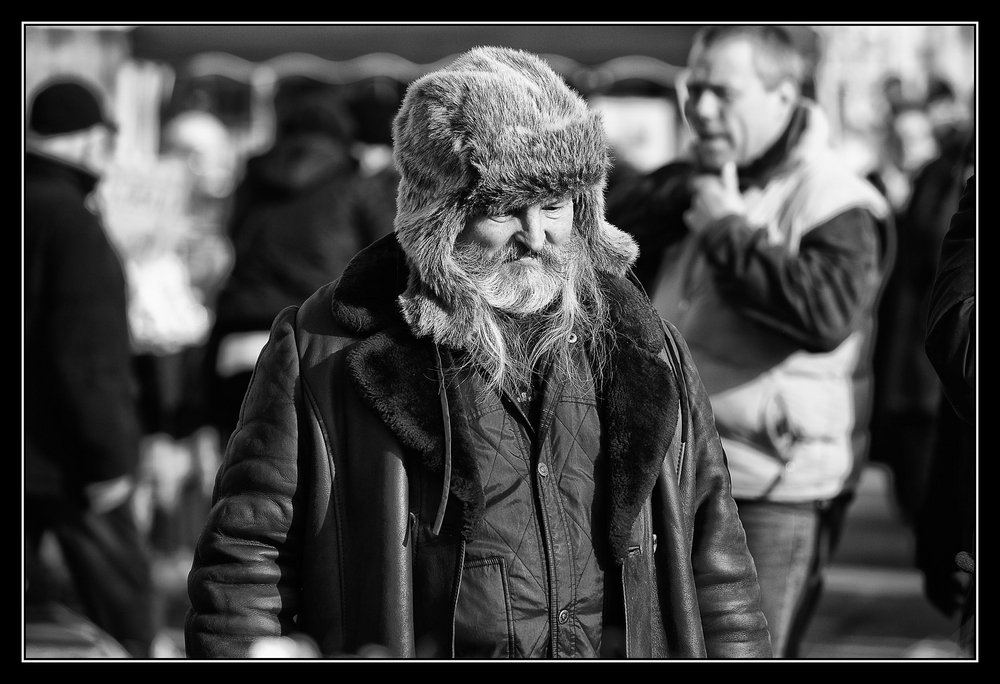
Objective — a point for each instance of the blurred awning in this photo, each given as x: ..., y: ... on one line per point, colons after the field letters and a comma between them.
x: 226, y: 62
x: 588, y: 44
x: 589, y: 55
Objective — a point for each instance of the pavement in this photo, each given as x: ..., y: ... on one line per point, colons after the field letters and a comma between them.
x: 872, y: 607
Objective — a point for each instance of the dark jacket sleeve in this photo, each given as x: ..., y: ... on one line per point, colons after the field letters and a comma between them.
x: 724, y: 571
x: 951, y: 323
x: 817, y: 296
x: 242, y: 584
x: 650, y: 207
x: 946, y: 522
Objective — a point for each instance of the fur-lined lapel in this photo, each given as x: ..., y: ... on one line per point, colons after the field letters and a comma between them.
x: 398, y: 376
x: 640, y: 408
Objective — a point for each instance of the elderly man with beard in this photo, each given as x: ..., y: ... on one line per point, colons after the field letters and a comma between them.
x: 481, y: 441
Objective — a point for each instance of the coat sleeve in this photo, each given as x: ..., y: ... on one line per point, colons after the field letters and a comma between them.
x: 244, y: 578
x: 951, y: 326
x: 724, y: 572
x: 93, y: 386
x: 815, y: 295
x: 650, y: 207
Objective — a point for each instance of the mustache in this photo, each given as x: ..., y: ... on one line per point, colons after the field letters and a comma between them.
x: 478, y: 259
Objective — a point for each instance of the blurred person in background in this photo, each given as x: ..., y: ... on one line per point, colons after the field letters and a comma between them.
x: 908, y: 143
x: 907, y: 389
x: 175, y: 265
x: 298, y: 216
x: 373, y: 108
x: 946, y: 524
x: 769, y: 255
x: 81, y: 422
x: 893, y: 94
x: 481, y: 441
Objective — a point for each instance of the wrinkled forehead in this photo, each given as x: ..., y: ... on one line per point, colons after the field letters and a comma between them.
x: 730, y: 61
x: 516, y: 202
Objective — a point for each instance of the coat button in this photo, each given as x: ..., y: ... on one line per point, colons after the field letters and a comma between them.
x: 563, y: 617
x: 572, y: 338
x: 543, y: 469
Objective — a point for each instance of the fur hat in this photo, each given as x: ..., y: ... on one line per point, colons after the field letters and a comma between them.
x: 494, y: 131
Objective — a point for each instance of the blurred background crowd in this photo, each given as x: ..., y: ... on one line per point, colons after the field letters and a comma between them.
x: 252, y: 162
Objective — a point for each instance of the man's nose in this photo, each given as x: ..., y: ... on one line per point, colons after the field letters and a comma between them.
x: 705, y: 105
x: 532, y: 232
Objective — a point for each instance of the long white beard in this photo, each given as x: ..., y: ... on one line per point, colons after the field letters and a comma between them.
x: 531, y: 309
x: 514, y: 285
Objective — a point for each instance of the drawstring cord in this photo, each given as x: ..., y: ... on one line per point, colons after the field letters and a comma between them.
x: 446, y: 416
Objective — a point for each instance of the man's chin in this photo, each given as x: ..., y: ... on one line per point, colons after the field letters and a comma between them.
x: 714, y: 154
x: 523, y: 290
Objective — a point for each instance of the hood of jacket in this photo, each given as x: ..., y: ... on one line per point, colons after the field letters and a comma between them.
x: 494, y: 131
x: 389, y: 367
x: 299, y: 162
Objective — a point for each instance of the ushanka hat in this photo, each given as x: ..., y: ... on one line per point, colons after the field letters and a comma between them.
x: 495, y: 131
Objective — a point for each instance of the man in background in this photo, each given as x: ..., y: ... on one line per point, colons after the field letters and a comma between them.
x: 769, y: 255
x: 81, y: 427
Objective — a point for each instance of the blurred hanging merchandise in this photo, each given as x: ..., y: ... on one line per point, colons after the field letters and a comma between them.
x: 148, y: 209
x: 146, y: 203
x: 166, y: 200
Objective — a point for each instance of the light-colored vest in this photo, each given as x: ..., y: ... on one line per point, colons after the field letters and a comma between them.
x: 787, y: 417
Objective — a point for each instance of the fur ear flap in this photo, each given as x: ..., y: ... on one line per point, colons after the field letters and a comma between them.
x: 612, y: 250
x: 427, y: 238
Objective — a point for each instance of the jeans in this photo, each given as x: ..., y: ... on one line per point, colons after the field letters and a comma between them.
x: 784, y: 542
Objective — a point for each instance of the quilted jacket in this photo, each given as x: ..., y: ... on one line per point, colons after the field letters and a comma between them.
x: 533, y: 573
x: 350, y: 490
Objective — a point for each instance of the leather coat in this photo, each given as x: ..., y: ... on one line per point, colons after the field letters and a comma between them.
x: 349, y: 490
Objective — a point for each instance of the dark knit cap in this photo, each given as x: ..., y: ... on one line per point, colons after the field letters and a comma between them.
x: 65, y: 106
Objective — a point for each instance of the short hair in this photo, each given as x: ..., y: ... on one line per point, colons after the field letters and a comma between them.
x: 776, y: 57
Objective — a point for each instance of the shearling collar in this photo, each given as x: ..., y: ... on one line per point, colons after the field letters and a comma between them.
x: 397, y: 375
